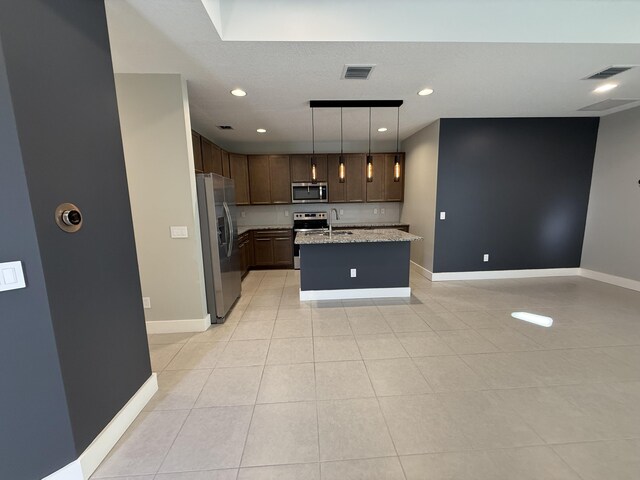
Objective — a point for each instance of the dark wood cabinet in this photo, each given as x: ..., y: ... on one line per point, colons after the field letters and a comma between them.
x: 301, y: 168
x: 245, y: 250
x: 376, y: 187
x: 197, y: 152
x: 239, y: 173
x: 226, y: 165
x: 269, y: 179
x: 211, y: 157
x: 393, y: 191
x: 280, y: 178
x: 355, y: 177
x: 259, y: 179
x: 273, y: 248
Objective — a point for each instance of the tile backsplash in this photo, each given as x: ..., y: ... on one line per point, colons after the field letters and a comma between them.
x: 351, y: 213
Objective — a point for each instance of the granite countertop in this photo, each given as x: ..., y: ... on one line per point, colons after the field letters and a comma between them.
x: 361, y: 225
x: 246, y: 228
x: 358, y: 236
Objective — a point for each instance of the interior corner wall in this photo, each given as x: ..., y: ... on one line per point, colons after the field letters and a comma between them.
x: 156, y: 134
x: 514, y: 188
x: 612, y: 234
x: 419, y: 208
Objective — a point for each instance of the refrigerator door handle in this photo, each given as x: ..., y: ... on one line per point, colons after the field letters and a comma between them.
x: 230, y: 223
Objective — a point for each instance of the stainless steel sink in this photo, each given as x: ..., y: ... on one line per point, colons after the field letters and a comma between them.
x: 339, y: 232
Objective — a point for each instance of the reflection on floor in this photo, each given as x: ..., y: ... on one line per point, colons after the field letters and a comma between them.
x: 443, y: 386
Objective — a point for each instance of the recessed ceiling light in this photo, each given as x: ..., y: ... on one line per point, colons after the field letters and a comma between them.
x: 238, y: 92
x: 425, y: 91
x: 382, y: 129
x: 605, y: 88
x: 261, y: 130
x: 533, y: 318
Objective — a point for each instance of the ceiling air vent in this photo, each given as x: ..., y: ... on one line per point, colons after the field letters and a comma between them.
x: 608, y: 104
x: 609, y: 72
x: 357, y: 72
x: 225, y: 127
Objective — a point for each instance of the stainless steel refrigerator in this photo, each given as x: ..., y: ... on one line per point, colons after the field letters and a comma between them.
x: 222, y: 276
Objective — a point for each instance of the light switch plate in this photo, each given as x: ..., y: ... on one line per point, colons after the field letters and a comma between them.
x: 179, y: 232
x: 286, y: 213
x: 243, y: 214
x: 342, y: 211
x: 353, y: 273
x: 485, y: 257
x: 382, y: 211
x: 375, y: 211
x: 11, y: 276
x: 146, y: 302
x: 443, y: 215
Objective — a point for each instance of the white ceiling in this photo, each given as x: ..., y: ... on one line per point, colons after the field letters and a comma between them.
x: 470, y: 79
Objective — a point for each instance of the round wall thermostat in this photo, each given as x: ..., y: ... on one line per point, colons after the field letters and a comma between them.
x: 68, y: 217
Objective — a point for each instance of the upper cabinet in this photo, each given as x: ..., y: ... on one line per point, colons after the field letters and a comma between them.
x: 197, y: 152
x: 280, y: 178
x: 211, y: 157
x: 226, y: 165
x: 302, y: 168
x: 336, y: 190
x: 376, y: 187
x: 239, y: 172
x: 355, y: 165
x: 269, y: 179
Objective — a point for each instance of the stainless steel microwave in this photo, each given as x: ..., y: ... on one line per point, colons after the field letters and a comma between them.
x: 308, y: 192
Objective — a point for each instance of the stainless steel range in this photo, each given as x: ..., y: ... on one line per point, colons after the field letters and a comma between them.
x: 306, y: 222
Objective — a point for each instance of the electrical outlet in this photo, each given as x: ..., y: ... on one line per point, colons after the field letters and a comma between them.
x: 382, y: 211
x: 353, y: 273
x: 342, y: 211
x: 443, y: 215
x: 375, y: 211
x: 485, y: 257
x: 146, y: 302
x: 286, y: 213
x: 243, y: 214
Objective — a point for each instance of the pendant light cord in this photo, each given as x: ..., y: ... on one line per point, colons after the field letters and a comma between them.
x: 313, y: 134
x: 398, y: 131
x: 341, y: 149
x: 369, y: 131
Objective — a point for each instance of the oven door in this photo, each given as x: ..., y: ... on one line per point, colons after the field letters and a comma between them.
x: 307, y: 192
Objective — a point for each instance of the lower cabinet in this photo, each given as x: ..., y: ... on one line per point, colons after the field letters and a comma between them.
x: 245, y: 249
x: 273, y: 248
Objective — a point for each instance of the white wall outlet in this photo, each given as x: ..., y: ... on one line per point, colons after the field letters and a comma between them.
x: 485, y: 257
x: 11, y: 276
x: 286, y: 213
x: 146, y: 302
x: 375, y: 211
x: 243, y: 214
x: 342, y: 211
x: 179, y: 232
x: 353, y: 273
x: 443, y: 215
x: 382, y: 211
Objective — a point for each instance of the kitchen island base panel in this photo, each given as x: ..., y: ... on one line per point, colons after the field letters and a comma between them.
x: 378, y: 266
x: 355, y: 293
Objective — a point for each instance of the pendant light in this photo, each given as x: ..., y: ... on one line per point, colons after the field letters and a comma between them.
x: 314, y: 177
x: 369, y: 157
x: 396, y: 160
x: 341, y: 167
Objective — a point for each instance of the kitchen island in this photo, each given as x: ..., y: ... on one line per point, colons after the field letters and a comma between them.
x: 354, y: 264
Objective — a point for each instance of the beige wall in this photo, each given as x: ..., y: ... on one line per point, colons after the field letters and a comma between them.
x: 612, y: 235
x: 419, y: 208
x: 156, y: 134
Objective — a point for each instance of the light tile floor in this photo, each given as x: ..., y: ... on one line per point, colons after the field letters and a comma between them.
x: 445, y: 385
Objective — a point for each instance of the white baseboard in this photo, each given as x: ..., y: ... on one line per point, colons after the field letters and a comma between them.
x: 421, y: 270
x: 90, y: 459
x: 350, y: 293
x: 72, y: 471
x: 179, y: 326
x: 505, y: 274
x: 611, y: 279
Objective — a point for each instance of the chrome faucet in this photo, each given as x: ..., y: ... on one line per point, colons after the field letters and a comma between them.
x: 333, y: 210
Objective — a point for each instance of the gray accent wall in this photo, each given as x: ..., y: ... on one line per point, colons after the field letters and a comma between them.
x: 515, y: 188
x: 73, y: 342
x: 612, y: 236
x: 419, y: 207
